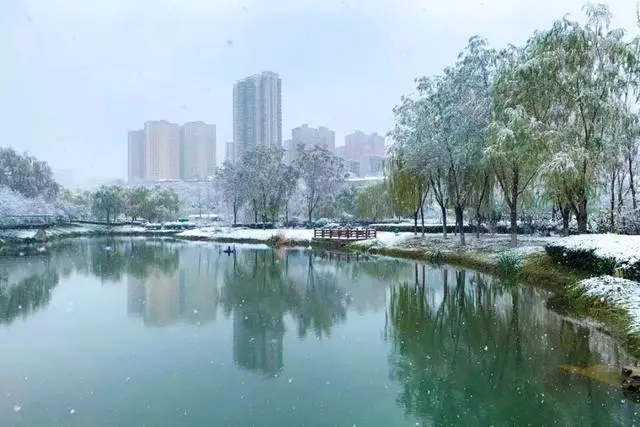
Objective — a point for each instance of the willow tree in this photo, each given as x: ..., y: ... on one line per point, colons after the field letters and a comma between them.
x: 517, y: 135
x: 407, y: 190
x: 407, y: 176
x: 579, y: 67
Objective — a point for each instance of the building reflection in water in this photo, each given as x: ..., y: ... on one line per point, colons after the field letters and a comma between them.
x: 187, y: 293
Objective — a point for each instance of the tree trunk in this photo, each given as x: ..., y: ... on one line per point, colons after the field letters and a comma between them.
x: 422, y: 218
x: 565, y: 212
x: 235, y: 215
x: 620, y: 178
x: 255, y: 211
x: 612, y: 219
x: 415, y: 223
x: 632, y: 186
x: 444, y: 221
x: 513, y: 222
x: 513, y: 206
x: 310, y: 215
x: 581, y: 215
x: 459, y: 222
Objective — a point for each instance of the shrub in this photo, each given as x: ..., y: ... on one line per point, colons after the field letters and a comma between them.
x: 584, y: 259
x: 509, y: 265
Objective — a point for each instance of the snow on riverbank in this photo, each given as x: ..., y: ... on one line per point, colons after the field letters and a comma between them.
x: 617, y: 292
x: 29, y: 235
x: 490, y: 245
x: 624, y: 249
x: 240, y: 234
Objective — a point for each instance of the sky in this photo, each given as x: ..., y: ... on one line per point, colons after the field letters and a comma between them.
x: 77, y: 74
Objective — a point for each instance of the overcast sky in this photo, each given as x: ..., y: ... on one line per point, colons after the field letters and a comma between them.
x: 77, y: 74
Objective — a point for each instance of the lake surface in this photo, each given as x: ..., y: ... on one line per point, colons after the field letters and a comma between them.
x: 159, y: 333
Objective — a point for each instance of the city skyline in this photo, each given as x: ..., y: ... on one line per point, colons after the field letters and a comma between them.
x: 75, y: 83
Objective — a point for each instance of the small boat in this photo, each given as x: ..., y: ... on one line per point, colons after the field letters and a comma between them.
x: 229, y: 251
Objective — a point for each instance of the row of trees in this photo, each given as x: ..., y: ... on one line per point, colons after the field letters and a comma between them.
x: 553, y: 121
x: 264, y: 185
x: 110, y: 202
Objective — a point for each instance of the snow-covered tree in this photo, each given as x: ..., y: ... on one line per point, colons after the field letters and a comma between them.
x: 233, y: 187
x: 322, y: 176
x: 517, y: 145
x: 26, y: 175
x: 579, y: 67
x: 269, y: 181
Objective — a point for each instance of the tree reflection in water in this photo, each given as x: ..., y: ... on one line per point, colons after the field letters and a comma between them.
x: 26, y: 283
x: 258, y: 292
x: 469, y: 352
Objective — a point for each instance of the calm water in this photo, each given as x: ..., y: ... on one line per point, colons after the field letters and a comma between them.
x: 137, y: 333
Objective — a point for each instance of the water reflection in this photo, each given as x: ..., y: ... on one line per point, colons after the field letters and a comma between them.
x: 456, y: 337
x: 466, y: 351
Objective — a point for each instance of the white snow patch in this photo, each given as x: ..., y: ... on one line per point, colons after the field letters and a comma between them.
x: 619, y: 292
x: 302, y: 235
x: 386, y: 239
x: 624, y: 249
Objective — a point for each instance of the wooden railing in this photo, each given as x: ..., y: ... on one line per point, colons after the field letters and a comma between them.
x: 344, y: 233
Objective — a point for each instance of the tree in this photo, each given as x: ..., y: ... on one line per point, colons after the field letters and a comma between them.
x: 108, y: 202
x: 27, y: 175
x: 407, y: 191
x: 232, y: 184
x: 322, y: 175
x: 269, y: 180
x: 579, y: 67
x: 137, y: 202
x: 517, y: 135
x: 458, y: 107
x: 372, y: 202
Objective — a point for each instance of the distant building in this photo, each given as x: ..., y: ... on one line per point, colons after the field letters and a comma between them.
x: 352, y: 167
x: 307, y: 137
x: 257, y: 112
x: 341, y: 151
x: 197, y: 150
x: 162, y: 150
x: 371, y: 165
x: 359, y: 144
x: 230, y: 152
x: 290, y: 151
x: 136, y: 156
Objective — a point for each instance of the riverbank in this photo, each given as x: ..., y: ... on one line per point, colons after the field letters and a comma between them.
x: 280, y: 236
x: 578, y: 269
x: 15, y: 238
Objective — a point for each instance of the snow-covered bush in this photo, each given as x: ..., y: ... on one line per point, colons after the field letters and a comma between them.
x: 601, y: 254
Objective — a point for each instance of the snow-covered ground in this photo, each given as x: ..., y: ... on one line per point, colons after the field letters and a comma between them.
x: 79, y: 231
x: 230, y: 233
x: 487, y: 245
x: 624, y: 249
x: 617, y: 292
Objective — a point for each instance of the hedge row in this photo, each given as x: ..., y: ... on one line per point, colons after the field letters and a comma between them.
x: 586, y: 260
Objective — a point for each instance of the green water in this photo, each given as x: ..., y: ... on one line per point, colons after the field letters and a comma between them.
x: 140, y: 333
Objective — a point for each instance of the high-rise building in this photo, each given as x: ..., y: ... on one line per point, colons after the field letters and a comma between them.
x: 230, y: 152
x: 162, y: 150
x: 136, y: 156
x: 308, y: 137
x: 359, y: 144
x: 257, y: 112
x: 197, y: 150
